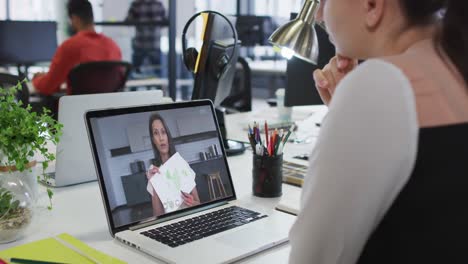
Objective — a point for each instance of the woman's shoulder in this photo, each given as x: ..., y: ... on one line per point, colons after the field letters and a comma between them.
x: 375, y: 74
x: 377, y: 86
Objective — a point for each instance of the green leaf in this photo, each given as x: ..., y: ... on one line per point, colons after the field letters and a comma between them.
x: 22, y: 134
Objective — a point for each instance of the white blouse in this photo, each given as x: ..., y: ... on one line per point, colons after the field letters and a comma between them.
x: 364, y: 155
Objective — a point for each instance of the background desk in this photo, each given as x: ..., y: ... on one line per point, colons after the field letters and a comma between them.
x: 162, y: 82
x: 269, y: 75
x: 78, y: 210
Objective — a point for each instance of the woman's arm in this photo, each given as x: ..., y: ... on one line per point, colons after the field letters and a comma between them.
x: 363, y: 157
x: 191, y: 199
x: 158, y: 208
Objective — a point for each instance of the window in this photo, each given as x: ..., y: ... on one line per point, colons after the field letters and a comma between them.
x: 3, y: 9
x: 32, y: 10
x: 276, y: 8
x: 224, y: 7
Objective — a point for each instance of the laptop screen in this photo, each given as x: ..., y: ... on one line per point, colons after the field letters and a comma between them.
x: 158, y: 160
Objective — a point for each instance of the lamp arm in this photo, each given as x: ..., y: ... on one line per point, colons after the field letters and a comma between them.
x: 309, y: 10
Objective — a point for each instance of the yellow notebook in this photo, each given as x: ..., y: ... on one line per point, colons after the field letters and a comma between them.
x: 52, y: 250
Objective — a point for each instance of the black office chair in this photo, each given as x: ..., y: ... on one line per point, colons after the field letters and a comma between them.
x: 99, y: 77
x: 9, y: 80
x: 240, y: 98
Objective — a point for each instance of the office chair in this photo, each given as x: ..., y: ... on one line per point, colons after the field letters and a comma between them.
x: 9, y: 80
x: 240, y: 98
x: 99, y: 77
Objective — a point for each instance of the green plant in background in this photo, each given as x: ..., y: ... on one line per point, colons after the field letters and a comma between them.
x: 24, y: 132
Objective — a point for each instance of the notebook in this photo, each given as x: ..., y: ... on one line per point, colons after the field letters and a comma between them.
x: 74, y: 163
x: 290, y: 203
x: 59, y: 250
x: 210, y: 226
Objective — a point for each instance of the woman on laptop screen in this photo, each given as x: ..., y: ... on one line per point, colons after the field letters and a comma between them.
x: 163, y: 147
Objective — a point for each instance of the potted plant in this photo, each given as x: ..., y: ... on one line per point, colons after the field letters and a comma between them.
x: 23, y: 133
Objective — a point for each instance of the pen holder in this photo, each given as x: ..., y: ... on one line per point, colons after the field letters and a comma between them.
x: 267, y: 175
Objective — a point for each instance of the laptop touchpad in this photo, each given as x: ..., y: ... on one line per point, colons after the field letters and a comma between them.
x: 248, y: 238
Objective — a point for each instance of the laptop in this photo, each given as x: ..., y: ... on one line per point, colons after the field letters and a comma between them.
x: 74, y: 163
x: 220, y: 229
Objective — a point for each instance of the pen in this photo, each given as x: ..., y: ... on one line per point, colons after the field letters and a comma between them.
x: 285, y: 139
x: 274, y: 141
x: 278, y: 142
x: 266, y: 134
x: 258, y: 133
x: 259, y: 150
x: 289, y: 133
x: 252, y: 142
x: 32, y: 261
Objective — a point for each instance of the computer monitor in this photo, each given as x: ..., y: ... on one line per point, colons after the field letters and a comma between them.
x: 218, y: 41
x: 27, y: 42
x: 254, y: 30
x: 300, y: 84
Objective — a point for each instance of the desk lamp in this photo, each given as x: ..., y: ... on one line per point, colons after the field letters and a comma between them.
x: 298, y: 37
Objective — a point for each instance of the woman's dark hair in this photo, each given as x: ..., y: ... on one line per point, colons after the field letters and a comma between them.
x: 157, y: 157
x: 81, y: 9
x: 453, y: 35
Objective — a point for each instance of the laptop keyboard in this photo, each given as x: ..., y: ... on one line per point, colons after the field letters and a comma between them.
x: 198, y: 227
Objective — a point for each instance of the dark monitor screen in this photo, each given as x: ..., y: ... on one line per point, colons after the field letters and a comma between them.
x: 217, y: 41
x: 254, y: 30
x: 300, y: 84
x: 27, y: 42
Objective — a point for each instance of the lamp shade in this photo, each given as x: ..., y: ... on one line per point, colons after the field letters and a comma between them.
x: 298, y: 37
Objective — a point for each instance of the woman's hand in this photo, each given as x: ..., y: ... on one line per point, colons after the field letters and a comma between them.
x: 328, y: 78
x: 189, y: 199
x: 151, y: 172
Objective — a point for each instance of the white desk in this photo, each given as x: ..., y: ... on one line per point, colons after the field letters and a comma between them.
x: 78, y: 210
x: 157, y: 82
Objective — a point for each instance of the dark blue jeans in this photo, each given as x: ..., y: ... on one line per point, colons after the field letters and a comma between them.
x: 139, y: 56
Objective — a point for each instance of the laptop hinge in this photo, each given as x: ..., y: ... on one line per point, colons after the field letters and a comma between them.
x: 165, y: 219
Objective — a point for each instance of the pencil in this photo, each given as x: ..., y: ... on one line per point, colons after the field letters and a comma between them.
x: 266, y: 133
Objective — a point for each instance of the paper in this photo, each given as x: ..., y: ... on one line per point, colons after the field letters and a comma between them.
x: 51, y: 250
x: 174, y: 176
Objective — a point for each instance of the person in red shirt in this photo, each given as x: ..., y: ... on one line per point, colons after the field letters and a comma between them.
x: 85, y: 46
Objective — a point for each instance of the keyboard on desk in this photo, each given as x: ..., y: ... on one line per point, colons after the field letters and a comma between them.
x: 293, y: 173
x: 205, y: 225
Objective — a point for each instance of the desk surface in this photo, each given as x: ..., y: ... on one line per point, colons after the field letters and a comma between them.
x: 78, y: 210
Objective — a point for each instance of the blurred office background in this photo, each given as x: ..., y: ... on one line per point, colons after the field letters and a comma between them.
x: 268, y: 69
